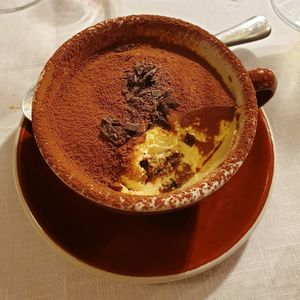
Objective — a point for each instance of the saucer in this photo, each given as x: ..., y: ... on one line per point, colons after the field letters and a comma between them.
x: 144, y: 248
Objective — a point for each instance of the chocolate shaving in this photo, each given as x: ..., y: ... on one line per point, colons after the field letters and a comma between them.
x: 113, y: 130
x: 165, y: 104
x: 132, y: 79
x: 142, y: 76
x: 169, y: 102
x: 144, y: 164
x: 146, y: 99
x: 161, y: 120
x: 189, y: 139
x: 126, y: 47
x: 132, y: 128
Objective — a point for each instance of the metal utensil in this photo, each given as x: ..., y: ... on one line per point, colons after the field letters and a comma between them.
x: 253, y: 29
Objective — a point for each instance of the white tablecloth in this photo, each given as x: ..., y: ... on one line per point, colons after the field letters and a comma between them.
x: 266, y: 267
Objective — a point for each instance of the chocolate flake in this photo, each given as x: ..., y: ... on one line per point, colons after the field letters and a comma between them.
x: 165, y: 104
x: 145, y: 96
x: 146, y: 99
x: 189, y: 139
x: 132, y: 79
x: 169, y: 102
x: 142, y: 76
x: 126, y: 47
x: 113, y: 130
x: 132, y: 128
x: 161, y: 120
x: 144, y: 164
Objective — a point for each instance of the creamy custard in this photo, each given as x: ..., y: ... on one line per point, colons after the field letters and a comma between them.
x: 177, y: 158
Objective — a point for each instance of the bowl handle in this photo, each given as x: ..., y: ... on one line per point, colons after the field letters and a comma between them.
x: 265, y: 83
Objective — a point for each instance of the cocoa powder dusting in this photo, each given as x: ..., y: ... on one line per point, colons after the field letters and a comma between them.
x: 95, y: 92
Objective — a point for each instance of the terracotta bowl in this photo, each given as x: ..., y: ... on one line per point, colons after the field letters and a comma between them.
x: 161, y: 29
x: 194, y: 239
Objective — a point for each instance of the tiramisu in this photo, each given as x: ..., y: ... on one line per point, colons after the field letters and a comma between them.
x: 144, y: 113
x: 144, y: 118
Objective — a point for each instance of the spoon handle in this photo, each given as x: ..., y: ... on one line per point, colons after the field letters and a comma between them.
x: 253, y: 29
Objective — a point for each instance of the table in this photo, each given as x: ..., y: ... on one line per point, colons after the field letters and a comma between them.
x: 266, y: 267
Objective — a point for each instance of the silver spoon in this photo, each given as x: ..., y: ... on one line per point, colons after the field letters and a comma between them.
x: 253, y: 29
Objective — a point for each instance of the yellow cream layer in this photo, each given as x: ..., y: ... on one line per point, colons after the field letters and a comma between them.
x: 160, y: 144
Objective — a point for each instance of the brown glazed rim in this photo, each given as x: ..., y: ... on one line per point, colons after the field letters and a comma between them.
x: 103, y: 34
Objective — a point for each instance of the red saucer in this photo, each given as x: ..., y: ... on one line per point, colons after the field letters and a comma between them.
x: 173, y: 244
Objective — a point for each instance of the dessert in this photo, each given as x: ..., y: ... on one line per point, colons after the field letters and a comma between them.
x: 151, y: 118
x: 144, y: 113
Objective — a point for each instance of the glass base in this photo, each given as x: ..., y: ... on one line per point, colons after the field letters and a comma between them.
x: 288, y: 11
x: 72, y: 16
x: 10, y: 6
x: 71, y: 12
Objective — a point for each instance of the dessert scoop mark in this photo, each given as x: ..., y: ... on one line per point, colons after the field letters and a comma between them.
x: 148, y: 103
x: 161, y: 167
x: 170, y: 159
x: 182, y: 174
